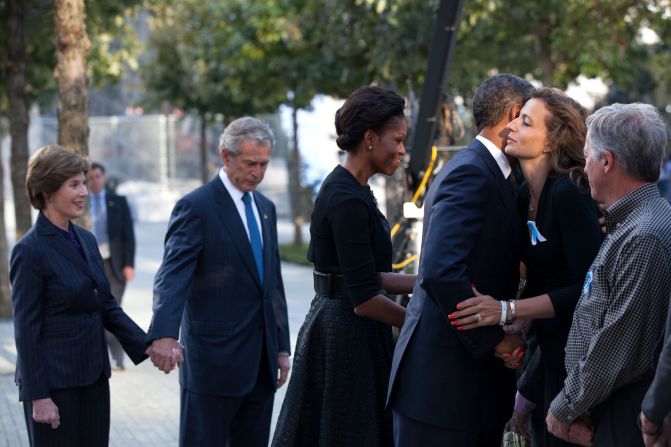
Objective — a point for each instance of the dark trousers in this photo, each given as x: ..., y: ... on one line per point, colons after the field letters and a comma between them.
x: 242, y: 421
x: 411, y: 433
x: 615, y: 418
x: 84, y: 418
x: 118, y: 288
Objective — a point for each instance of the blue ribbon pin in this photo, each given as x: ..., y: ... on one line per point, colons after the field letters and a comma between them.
x: 536, y: 235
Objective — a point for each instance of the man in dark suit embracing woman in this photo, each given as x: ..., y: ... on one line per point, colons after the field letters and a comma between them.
x: 447, y: 387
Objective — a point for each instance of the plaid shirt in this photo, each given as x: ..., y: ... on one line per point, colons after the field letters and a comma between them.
x: 620, y: 316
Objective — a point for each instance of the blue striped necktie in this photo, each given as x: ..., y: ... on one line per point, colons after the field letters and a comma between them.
x: 254, y: 235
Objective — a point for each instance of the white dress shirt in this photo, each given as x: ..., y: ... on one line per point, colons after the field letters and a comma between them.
x: 498, y: 154
x: 236, y: 195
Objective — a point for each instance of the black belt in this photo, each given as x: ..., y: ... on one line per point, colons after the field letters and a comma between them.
x: 329, y: 284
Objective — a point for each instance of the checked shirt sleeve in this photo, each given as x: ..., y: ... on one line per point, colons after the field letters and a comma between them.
x: 622, y: 332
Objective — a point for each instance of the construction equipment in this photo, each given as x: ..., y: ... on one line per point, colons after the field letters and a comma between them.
x: 423, y: 155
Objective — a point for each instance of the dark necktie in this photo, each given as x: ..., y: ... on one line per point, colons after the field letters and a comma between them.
x: 254, y: 235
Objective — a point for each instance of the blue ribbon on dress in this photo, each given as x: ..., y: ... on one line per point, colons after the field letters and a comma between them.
x: 536, y: 235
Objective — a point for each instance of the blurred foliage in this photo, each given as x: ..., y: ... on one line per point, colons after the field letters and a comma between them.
x: 295, y: 253
x: 271, y: 48
x: 555, y: 41
x: 114, y: 45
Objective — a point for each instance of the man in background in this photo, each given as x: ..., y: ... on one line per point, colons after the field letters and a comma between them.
x: 113, y: 228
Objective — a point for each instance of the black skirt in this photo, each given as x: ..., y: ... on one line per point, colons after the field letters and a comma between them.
x: 337, y: 391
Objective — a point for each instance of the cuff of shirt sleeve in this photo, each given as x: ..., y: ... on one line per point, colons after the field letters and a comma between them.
x: 523, y: 405
x: 283, y: 353
x: 561, y: 409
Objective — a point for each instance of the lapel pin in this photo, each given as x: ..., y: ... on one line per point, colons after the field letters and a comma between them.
x: 265, y: 216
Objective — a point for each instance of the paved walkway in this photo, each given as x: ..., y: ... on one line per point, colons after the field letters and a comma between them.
x: 145, y: 402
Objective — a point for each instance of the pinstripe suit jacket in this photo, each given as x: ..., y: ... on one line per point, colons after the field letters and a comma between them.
x: 62, y: 302
x: 209, y: 284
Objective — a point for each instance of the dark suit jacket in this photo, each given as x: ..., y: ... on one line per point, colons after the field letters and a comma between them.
x: 209, y: 282
x: 120, y: 234
x: 61, y: 303
x: 442, y: 376
x: 657, y: 402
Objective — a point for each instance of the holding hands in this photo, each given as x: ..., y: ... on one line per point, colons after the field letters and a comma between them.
x: 166, y: 353
x: 511, y: 350
x: 484, y: 310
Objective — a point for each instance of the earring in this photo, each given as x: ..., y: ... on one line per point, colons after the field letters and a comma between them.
x: 370, y: 148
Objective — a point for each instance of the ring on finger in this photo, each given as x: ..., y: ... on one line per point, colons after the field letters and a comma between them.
x: 478, y: 317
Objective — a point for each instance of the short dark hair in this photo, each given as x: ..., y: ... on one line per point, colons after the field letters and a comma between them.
x: 366, y: 108
x: 96, y: 165
x: 496, y: 96
x: 48, y: 169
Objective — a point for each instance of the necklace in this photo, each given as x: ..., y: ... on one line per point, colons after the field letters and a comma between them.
x: 532, y: 210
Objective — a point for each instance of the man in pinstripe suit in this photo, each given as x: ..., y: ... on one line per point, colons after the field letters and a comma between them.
x: 220, y: 281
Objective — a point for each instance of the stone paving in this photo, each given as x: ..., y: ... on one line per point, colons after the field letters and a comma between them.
x: 145, y: 402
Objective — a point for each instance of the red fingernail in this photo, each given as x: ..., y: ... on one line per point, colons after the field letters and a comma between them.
x: 460, y: 328
x: 455, y: 323
x: 459, y: 306
x: 451, y: 316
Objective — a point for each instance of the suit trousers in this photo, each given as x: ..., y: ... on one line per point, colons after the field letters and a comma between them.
x: 409, y: 432
x: 615, y: 419
x: 240, y: 421
x: 84, y: 417
x: 117, y: 287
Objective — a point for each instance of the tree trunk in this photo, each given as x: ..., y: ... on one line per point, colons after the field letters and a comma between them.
x: 295, y: 190
x: 72, y: 46
x: 18, y: 115
x: 5, y: 296
x: 204, y: 168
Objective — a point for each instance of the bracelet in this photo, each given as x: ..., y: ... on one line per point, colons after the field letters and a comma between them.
x: 513, y: 310
x: 504, y: 313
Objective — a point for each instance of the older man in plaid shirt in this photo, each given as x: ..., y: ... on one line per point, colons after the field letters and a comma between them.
x: 620, y: 317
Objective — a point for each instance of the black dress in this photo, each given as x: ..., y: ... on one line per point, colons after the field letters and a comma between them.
x: 336, y: 394
x: 568, y: 218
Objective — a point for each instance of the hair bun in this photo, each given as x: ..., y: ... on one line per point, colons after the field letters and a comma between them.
x: 345, y: 141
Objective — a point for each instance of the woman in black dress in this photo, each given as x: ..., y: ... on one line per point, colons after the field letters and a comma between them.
x: 562, y: 222
x: 336, y: 395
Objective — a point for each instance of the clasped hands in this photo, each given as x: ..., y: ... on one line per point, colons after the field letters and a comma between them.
x: 166, y: 353
x: 483, y: 310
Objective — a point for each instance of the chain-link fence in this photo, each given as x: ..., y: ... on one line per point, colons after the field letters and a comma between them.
x: 155, y: 158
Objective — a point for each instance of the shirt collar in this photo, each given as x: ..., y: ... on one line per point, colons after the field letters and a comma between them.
x: 499, y: 157
x: 235, y: 193
x: 619, y: 211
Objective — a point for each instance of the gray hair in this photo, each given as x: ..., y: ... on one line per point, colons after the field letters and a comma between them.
x: 634, y: 133
x: 245, y: 128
